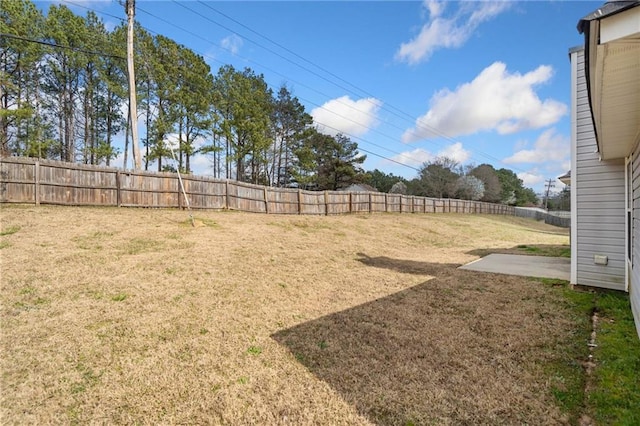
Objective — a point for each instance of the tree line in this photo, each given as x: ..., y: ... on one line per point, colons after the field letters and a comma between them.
x: 443, y: 177
x: 64, y: 95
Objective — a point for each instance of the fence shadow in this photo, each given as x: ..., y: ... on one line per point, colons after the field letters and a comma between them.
x: 407, y: 266
x: 431, y: 353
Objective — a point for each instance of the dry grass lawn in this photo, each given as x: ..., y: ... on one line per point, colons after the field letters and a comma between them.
x: 132, y: 316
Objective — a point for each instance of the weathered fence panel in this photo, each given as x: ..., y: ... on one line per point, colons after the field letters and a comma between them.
x: 246, y: 197
x: 147, y: 189
x: 80, y: 186
x: 552, y: 218
x: 27, y: 180
x: 360, y: 202
x: 393, y: 203
x: 378, y: 202
x: 18, y: 181
x: 312, y: 202
x: 205, y: 193
x: 338, y: 202
x: 283, y: 201
x: 405, y: 204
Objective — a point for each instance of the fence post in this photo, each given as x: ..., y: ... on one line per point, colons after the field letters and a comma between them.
x: 370, y: 204
x: 401, y: 197
x: 179, y: 195
x: 118, y: 199
x: 326, y: 203
x: 350, y: 202
x: 36, y: 183
x: 266, y: 200
x: 226, y: 194
x: 299, y: 201
x: 386, y: 202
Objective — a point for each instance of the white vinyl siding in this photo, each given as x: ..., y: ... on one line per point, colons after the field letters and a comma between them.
x: 600, y: 199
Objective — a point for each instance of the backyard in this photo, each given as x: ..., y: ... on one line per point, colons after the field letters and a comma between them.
x: 134, y: 316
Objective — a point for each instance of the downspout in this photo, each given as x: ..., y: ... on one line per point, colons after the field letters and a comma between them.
x: 574, y: 169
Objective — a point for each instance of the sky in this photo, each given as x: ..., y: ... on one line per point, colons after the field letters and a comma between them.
x: 476, y: 81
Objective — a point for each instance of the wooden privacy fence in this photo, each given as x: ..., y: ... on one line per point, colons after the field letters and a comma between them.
x: 560, y: 219
x: 27, y: 180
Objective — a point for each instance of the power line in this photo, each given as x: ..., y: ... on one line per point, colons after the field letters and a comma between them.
x: 52, y: 44
x: 269, y: 69
x: 209, y: 41
x: 410, y: 118
x: 302, y: 84
x: 406, y: 116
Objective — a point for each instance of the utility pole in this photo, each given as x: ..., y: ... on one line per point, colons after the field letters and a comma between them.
x: 130, y: 7
x: 548, y: 184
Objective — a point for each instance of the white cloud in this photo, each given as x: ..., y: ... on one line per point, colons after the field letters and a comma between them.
x: 344, y: 115
x: 549, y: 147
x: 530, y: 179
x: 232, y: 43
x: 434, y: 7
x: 441, y: 32
x: 455, y: 152
x: 494, y: 100
x: 419, y: 156
x: 413, y: 158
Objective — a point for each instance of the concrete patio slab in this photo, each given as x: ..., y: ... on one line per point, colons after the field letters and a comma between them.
x: 527, y: 266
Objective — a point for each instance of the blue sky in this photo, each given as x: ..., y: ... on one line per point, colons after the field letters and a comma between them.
x: 479, y: 81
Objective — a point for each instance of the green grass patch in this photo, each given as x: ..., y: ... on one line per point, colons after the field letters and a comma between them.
x: 119, y: 297
x: 615, y: 398
x: 565, y: 369
x: 613, y: 394
x: 546, y: 250
x: 9, y: 230
x: 93, y: 240
x: 254, y: 350
x: 142, y: 245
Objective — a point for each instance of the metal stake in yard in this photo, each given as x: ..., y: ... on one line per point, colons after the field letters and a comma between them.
x: 186, y: 199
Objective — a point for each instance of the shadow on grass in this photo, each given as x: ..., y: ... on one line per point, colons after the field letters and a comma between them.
x: 407, y: 266
x: 458, y: 348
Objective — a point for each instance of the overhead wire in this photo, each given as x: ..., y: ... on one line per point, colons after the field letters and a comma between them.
x: 302, y: 84
x: 408, y: 116
x: 386, y: 106
x: 56, y: 45
x: 269, y: 69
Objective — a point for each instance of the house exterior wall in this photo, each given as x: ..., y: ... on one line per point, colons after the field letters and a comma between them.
x: 599, y: 225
